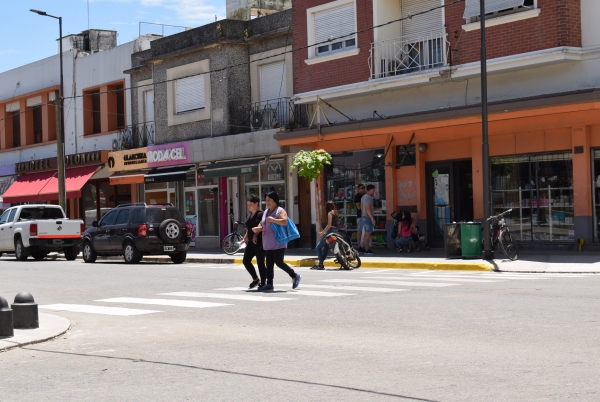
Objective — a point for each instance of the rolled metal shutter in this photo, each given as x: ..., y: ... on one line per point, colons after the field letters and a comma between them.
x: 272, y: 81
x: 424, y: 24
x: 472, y: 7
x: 189, y: 93
x: 334, y: 23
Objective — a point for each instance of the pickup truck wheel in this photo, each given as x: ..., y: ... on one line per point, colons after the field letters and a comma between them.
x: 71, y: 253
x: 20, y: 253
x: 89, y: 255
x: 179, y: 258
x: 38, y: 255
x: 131, y: 254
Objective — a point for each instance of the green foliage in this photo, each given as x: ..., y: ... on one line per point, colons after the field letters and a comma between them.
x: 310, y: 163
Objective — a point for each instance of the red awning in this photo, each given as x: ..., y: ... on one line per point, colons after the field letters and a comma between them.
x: 75, y: 179
x: 27, y: 187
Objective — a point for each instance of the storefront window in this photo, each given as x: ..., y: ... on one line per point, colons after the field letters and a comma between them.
x: 596, y: 194
x: 157, y: 197
x: 346, y: 172
x: 190, y: 178
x: 88, y: 199
x: 539, y: 189
x: 208, y: 211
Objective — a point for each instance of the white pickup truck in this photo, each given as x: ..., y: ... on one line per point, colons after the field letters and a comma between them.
x: 36, y: 230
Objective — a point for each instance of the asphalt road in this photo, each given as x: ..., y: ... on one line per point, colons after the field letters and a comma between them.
x: 364, y: 335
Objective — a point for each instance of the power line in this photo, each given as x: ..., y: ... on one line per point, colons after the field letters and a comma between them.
x: 284, y: 52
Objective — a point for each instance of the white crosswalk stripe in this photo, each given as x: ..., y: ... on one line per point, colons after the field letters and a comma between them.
x: 82, y: 308
x: 380, y: 282
x: 298, y: 292
x: 163, y: 302
x: 225, y: 296
x: 442, y: 276
x: 354, y: 288
x: 435, y: 279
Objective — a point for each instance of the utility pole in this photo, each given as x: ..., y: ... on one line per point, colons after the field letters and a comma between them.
x: 60, y: 152
x: 488, y: 253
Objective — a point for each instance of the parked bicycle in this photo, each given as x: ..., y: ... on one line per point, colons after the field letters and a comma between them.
x: 233, y: 241
x: 500, y: 234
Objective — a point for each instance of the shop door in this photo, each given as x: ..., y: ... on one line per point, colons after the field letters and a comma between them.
x: 450, y: 197
x: 233, y: 199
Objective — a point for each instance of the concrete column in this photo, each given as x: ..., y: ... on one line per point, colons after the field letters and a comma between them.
x: 582, y: 183
x: 477, y: 167
x: 421, y: 186
x: 390, y: 191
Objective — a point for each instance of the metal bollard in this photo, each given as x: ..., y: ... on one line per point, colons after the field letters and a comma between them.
x: 25, y: 312
x: 6, y: 319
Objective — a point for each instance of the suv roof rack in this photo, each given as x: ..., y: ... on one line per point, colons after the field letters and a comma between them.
x: 168, y: 204
x: 132, y: 204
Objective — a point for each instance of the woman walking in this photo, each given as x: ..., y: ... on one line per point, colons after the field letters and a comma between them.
x: 274, y: 252
x: 333, y: 222
x: 254, y: 247
x: 405, y: 230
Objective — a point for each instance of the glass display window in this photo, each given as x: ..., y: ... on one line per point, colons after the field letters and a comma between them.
x: 208, y: 211
x: 539, y: 190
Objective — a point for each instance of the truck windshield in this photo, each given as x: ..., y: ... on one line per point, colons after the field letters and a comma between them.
x: 40, y: 213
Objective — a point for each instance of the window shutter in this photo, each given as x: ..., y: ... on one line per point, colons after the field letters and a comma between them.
x: 472, y: 6
x: 149, y: 106
x: 421, y: 25
x: 335, y: 22
x: 189, y: 93
x: 272, y: 81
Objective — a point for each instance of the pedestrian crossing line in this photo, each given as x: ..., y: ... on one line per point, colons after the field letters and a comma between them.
x: 297, y: 292
x: 434, y: 279
x: 400, y: 283
x: 471, y: 277
x: 520, y: 275
x: 354, y: 288
x: 82, y: 308
x: 225, y: 296
x: 163, y: 302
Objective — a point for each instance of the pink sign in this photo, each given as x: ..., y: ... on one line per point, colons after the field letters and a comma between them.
x: 177, y: 153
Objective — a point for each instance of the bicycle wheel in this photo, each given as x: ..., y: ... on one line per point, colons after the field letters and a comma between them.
x: 231, y: 243
x: 508, y: 245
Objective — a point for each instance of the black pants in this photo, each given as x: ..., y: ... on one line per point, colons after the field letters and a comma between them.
x: 275, y: 257
x: 250, y: 252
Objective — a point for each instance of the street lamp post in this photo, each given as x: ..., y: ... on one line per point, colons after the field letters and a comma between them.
x: 60, y: 134
x: 488, y: 252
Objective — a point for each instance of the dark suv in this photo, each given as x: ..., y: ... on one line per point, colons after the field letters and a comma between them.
x: 135, y: 230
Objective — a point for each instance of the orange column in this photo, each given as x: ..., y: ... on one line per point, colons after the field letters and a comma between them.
x: 25, y: 125
x: 45, y: 118
x: 421, y: 181
x: 104, y: 120
x: 390, y: 180
x: 477, y: 166
x: 582, y: 182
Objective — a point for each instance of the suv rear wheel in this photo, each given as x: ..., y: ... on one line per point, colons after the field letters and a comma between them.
x: 131, y: 254
x: 179, y: 258
x: 170, y: 231
x: 89, y: 255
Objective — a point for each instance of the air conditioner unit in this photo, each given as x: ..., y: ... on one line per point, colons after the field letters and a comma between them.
x: 115, y: 145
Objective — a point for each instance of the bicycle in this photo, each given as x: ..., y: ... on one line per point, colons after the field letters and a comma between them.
x: 233, y: 241
x: 500, y: 234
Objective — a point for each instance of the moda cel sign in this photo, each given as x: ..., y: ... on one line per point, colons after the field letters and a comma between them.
x: 168, y: 154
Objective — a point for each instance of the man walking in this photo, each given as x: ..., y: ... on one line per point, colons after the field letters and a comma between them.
x: 359, y: 223
x: 368, y: 217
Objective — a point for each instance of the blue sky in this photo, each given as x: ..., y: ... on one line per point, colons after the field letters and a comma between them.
x: 27, y: 37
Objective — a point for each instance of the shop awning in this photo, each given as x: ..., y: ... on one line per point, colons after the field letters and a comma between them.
x: 126, y: 178
x: 234, y: 168
x: 166, y: 175
x: 27, y: 187
x: 75, y: 179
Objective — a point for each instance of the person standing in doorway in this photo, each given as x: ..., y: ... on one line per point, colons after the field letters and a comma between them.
x: 274, y: 253
x: 368, y: 217
x: 359, y: 222
x: 254, y: 246
x: 333, y: 222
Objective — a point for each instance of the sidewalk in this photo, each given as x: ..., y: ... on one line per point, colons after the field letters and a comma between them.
x: 529, y: 260
x: 51, y: 326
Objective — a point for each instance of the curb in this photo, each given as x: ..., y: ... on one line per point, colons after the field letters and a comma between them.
x: 13, y: 342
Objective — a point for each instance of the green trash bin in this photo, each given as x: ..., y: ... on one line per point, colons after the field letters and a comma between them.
x: 470, y: 239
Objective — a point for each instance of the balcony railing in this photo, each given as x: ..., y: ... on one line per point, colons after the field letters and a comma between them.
x: 136, y: 136
x: 276, y: 113
x: 408, y: 54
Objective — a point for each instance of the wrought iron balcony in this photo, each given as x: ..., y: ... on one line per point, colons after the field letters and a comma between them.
x: 279, y: 113
x: 136, y: 136
x: 408, y: 54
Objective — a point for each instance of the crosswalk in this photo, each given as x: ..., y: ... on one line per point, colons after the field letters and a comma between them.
x: 313, y: 285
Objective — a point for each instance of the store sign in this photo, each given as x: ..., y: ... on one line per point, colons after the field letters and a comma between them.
x: 275, y: 171
x: 74, y: 160
x: 168, y: 154
x: 131, y: 159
